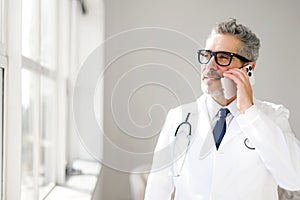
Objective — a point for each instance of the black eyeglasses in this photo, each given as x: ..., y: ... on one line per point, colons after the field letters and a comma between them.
x: 222, y: 58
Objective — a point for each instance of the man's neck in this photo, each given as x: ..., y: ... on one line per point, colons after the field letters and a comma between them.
x: 220, y: 99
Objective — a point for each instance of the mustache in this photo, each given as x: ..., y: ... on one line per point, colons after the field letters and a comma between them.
x: 211, y: 73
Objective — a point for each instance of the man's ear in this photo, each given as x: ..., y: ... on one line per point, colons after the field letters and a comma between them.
x: 253, y: 64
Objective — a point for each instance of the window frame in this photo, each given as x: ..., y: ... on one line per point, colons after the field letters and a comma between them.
x: 3, y: 64
x: 10, y: 50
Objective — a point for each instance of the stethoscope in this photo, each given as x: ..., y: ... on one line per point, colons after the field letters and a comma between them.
x: 187, y: 123
x: 246, y: 141
x: 188, y: 143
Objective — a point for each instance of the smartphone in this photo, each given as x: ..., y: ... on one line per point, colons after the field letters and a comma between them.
x: 229, y: 88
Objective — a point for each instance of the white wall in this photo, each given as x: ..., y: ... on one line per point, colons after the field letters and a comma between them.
x: 87, y: 33
x: 276, y: 22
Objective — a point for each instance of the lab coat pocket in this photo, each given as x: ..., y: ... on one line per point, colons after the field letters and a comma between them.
x: 179, y: 180
x: 248, y: 155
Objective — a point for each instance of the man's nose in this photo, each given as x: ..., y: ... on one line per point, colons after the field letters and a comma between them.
x: 212, y: 65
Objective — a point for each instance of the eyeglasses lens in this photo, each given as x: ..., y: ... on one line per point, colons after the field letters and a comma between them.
x: 222, y: 59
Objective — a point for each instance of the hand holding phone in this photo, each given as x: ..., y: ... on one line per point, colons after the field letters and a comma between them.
x: 229, y: 87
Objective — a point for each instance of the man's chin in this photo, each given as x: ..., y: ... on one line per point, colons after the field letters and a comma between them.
x: 211, y: 91
x: 214, y: 93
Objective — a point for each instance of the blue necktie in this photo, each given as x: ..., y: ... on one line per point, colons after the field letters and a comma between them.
x: 220, y: 127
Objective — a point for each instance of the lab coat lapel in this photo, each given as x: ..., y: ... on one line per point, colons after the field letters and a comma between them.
x: 205, y: 138
x: 204, y: 130
x: 232, y: 131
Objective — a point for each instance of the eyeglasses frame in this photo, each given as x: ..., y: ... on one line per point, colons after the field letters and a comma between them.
x: 214, y: 53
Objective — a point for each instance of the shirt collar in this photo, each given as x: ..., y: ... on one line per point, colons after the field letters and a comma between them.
x: 213, y: 107
x: 233, y: 109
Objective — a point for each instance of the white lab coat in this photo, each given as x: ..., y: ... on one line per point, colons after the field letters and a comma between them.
x: 234, y: 171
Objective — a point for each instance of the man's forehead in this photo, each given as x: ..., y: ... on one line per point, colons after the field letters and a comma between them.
x: 223, y: 42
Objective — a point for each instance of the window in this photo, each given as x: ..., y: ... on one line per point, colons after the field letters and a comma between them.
x: 2, y: 14
x: 30, y: 109
x: 2, y: 27
x: 38, y: 128
x: 39, y: 28
x: 47, y: 137
x: 39, y: 96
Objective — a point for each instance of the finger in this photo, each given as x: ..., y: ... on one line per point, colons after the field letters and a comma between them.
x: 240, y: 73
x: 233, y: 77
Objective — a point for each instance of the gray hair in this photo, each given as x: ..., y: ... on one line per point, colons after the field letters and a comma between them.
x: 250, y: 43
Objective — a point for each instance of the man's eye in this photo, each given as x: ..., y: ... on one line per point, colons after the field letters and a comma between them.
x: 206, y: 55
x: 223, y: 57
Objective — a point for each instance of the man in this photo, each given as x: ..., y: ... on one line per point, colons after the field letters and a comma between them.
x: 242, y: 151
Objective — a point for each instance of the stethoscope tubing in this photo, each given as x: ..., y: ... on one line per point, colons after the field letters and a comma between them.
x: 185, y: 122
x: 190, y: 132
x: 189, y: 135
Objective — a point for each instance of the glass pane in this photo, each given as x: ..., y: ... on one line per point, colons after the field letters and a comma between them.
x: 30, y: 29
x: 30, y: 111
x: 48, y: 33
x: 48, y: 128
x: 1, y: 20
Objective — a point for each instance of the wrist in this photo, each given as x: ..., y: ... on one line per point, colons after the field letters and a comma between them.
x: 244, y: 108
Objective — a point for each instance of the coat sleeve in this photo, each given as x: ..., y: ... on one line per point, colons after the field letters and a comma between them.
x: 160, y: 180
x: 270, y: 132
